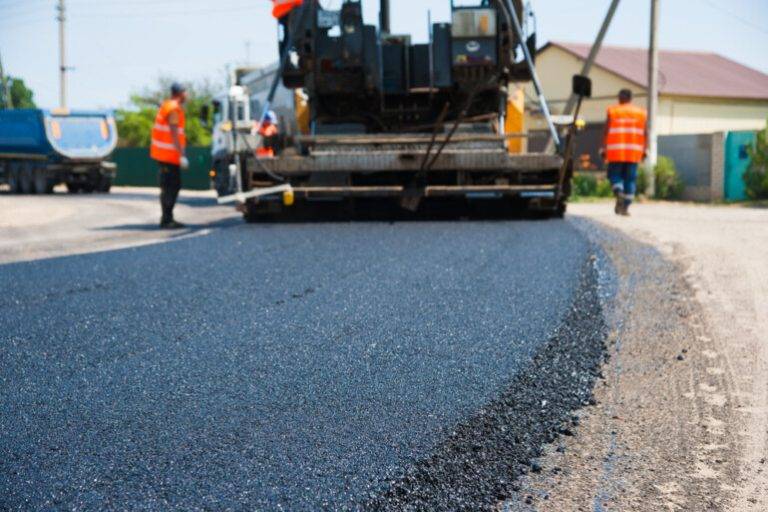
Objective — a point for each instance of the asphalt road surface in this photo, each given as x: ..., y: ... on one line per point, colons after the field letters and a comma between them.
x: 284, y: 366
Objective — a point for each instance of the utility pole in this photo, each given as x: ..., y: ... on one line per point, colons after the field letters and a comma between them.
x: 590, y: 60
x: 653, y: 97
x: 7, y: 99
x: 593, y: 52
x: 62, y: 56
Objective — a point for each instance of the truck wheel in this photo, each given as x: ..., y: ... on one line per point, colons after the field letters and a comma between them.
x: 88, y: 188
x: 43, y: 184
x: 105, y: 183
x: 13, y: 179
x: 562, y: 206
x: 222, y: 179
x: 255, y: 212
x: 27, y: 179
x: 73, y: 188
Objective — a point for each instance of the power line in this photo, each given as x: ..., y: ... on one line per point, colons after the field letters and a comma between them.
x: 175, y: 12
x: 11, y: 24
x: 30, y: 18
x: 735, y: 16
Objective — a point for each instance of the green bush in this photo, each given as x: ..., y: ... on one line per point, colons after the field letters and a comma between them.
x: 584, y: 185
x: 587, y: 185
x: 642, y: 180
x: 668, y: 182
x: 756, y: 177
x: 604, y: 188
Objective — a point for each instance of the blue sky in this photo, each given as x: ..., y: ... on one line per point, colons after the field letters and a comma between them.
x: 119, y: 46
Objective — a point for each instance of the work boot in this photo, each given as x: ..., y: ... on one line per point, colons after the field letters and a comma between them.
x: 620, y: 207
x: 171, y: 224
x: 625, y: 207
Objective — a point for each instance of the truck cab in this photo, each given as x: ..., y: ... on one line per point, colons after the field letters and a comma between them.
x: 231, y: 110
x: 235, y: 114
x: 231, y: 133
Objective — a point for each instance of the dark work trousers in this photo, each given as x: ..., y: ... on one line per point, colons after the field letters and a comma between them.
x: 170, y: 184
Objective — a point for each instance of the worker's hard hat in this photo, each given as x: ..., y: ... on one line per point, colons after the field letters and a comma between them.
x: 177, y: 88
x: 271, y: 117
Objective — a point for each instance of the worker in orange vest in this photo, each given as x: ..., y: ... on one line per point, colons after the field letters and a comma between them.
x: 168, y: 148
x: 281, y: 8
x: 269, y: 135
x: 625, y: 145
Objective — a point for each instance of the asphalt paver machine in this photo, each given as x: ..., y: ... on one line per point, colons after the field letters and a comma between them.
x: 385, y: 118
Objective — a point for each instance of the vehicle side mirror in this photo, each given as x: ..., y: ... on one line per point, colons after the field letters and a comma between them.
x: 582, y: 86
x: 205, y: 112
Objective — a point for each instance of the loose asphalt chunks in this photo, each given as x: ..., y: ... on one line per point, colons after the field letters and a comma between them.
x: 475, y: 468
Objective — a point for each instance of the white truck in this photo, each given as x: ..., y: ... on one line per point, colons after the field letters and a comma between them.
x: 236, y: 112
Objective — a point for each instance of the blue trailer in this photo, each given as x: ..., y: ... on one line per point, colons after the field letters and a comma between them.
x: 40, y: 149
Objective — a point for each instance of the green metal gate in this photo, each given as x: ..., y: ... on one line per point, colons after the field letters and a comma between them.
x: 736, y: 163
x: 136, y: 169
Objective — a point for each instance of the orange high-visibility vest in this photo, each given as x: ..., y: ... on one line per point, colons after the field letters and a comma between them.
x: 281, y: 8
x: 162, y: 148
x: 625, y: 139
x: 266, y: 131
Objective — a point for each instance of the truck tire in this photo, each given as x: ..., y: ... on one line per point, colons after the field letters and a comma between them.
x: 43, y: 182
x: 73, y: 188
x: 104, y: 184
x: 255, y: 212
x: 561, y: 208
x: 13, y: 179
x: 27, y: 179
x: 222, y: 180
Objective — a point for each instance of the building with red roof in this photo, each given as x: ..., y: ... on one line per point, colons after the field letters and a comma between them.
x: 700, y: 92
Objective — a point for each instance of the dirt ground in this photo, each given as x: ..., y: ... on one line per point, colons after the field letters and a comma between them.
x: 681, y: 418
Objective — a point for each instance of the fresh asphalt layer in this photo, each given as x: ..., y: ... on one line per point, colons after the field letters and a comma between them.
x: 293, y: 366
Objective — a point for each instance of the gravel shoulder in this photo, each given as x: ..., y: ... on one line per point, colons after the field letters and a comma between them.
x: 681, y: 416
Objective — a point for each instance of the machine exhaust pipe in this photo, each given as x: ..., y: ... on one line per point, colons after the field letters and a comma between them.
x: 384, y: 16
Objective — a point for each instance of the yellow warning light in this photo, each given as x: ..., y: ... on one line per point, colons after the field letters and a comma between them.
x: 580, y: 124
x: 212, y: 173
x: 288, y: 198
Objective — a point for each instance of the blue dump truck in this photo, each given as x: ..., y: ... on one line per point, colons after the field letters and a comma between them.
x: 40, y: 149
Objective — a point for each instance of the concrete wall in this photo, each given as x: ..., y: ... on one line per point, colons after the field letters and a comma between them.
x: 700, y: 161
x: 677, y: 114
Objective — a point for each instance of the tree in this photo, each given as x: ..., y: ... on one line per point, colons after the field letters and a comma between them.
x: 134, y: 124
x: 21, y: 95
x: 756, y: 177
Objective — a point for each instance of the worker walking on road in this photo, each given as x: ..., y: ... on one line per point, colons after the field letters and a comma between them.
x: 169, y: 150
x: 625, y: 145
